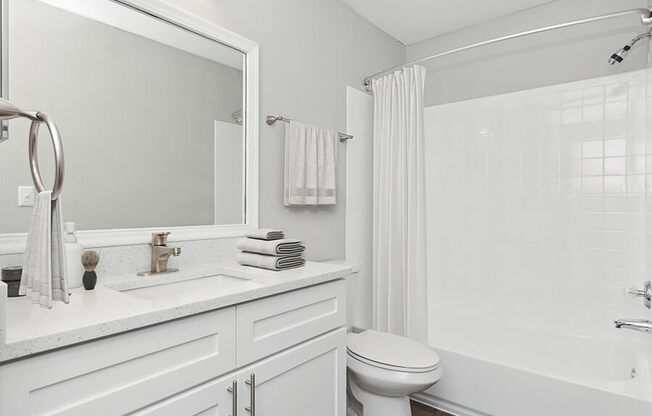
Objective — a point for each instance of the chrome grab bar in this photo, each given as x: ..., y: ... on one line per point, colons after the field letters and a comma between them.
x: 9, y: 111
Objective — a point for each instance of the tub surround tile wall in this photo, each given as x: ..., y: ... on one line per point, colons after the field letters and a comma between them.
x: 538, y: 220
x: 546, y: 190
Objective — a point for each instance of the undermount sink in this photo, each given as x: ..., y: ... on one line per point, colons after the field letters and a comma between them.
x: 192, y: 289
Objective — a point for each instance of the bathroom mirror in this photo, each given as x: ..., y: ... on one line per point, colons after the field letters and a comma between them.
x: 139, y: 91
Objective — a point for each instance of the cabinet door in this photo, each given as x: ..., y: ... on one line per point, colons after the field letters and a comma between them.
x: 123, y: 373
x: 309, y: 379
x: 272, y: 324
x: 214, y: 398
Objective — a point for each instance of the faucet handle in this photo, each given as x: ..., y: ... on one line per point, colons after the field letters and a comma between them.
x: 160, y: 239
x: 646, y: 293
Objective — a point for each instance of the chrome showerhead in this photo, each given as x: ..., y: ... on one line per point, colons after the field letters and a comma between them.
x: 620, y: 55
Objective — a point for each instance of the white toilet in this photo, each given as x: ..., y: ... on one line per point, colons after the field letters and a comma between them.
x: 384, y: 369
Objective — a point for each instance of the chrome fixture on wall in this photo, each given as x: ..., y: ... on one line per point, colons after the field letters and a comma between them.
x: 237, y: 116
x: 620, y: 55
x: 273, y: 119
x: 9, y: 111
x: 646, y: 293
x: 640, y: 325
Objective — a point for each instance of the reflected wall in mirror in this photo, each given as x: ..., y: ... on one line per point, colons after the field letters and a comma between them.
x: 150, y: 116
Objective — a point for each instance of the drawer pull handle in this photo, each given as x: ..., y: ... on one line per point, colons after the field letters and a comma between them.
x: 252, y: 395
x: 234, y: 389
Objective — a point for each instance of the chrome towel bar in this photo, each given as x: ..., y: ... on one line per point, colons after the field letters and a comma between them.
x: 273, y: 119
x: 9, y: 111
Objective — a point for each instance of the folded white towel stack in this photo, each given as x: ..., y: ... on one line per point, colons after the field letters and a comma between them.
x: 268, y: 249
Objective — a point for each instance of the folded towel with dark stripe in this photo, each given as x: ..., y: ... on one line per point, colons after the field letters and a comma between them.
x: 270, y: 262
x: 266, y: 234
x: 282, y: 247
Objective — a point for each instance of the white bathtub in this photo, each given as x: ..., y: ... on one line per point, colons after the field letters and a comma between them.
x: 498, y: 369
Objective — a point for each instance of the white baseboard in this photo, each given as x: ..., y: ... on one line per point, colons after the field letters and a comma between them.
x: 444, y: 405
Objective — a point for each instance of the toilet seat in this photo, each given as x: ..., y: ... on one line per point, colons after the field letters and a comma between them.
x: 391, y: 352
x: 389, y: 366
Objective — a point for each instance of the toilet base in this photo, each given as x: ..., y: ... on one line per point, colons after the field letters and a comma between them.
x: 377, y: 405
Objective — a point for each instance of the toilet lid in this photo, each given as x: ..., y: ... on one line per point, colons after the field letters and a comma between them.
x: 392, y: 350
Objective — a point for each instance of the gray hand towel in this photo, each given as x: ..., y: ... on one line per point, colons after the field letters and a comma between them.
x: 44, y: 271
x: 270, y: 262
x: 266, y: 234
x: 283, y: 247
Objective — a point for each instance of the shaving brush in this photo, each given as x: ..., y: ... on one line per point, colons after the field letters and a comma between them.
x: 89, y: 260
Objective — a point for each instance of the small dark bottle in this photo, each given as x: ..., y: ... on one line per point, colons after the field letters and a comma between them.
x: 11, y: 276
x: 89, y: 279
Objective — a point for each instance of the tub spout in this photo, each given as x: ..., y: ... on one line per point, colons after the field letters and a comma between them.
x: 640, y: 325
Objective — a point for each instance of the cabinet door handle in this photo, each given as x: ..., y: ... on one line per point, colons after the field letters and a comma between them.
x: 252, y: 395
x: 234, y: 389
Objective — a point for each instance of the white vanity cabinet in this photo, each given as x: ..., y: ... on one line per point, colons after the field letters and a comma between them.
x: 282, y: 355
x: 309, y: 379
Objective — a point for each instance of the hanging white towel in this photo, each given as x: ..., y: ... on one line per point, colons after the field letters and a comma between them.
x: 44, y: 271
x: 310, y: 160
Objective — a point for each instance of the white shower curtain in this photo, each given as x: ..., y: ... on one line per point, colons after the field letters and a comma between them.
x: 399, y: 221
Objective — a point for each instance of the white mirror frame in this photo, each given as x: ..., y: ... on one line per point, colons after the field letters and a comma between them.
x: 14, y: 243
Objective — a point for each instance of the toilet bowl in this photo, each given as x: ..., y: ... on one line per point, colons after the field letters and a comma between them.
x: 384, y: 369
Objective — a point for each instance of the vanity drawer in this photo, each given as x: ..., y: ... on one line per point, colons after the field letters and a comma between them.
x: 272, y: 324
x: 123, y: 373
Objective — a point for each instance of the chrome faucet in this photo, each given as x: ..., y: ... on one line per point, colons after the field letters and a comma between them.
x: 640, y: 325
x: 161, y: 254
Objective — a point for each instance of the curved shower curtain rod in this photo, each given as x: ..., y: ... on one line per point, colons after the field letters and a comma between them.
x: 645, y: 14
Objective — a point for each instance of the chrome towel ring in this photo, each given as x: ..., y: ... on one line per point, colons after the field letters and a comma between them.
x: 9, y: 111
x: 58, y: 154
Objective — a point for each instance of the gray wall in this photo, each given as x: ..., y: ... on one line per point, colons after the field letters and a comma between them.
x: 309, y: 51
x: 550, y: 58
x: 136, y: 116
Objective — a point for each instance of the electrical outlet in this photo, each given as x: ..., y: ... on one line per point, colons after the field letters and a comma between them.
x: 26, y: 196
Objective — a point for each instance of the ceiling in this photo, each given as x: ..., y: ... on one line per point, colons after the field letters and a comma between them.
x: 411, y: 21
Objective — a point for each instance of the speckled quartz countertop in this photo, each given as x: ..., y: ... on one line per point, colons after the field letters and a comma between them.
x: 28, y: 329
